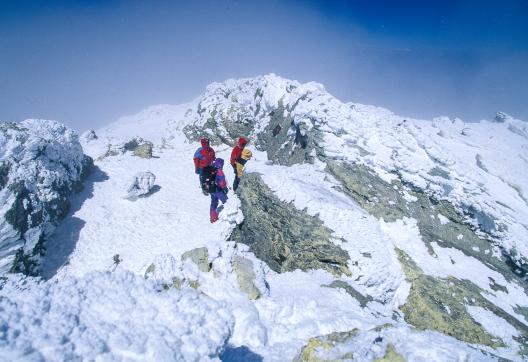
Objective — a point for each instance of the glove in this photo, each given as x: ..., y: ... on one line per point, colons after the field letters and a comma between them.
x: 196, y: 171
x: 225, y: 190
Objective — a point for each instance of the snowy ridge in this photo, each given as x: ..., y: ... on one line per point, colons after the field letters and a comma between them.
x: 480, y: 167
x: 136, y: 257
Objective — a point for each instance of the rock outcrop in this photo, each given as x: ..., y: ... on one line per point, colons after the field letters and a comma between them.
x: 200, y: 257
x: 284, y: 237
x: 243, y: 269
x: 42, y: 165
x: 141, y: 185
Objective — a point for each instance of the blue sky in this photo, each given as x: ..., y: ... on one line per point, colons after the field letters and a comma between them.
x: 86, y: 63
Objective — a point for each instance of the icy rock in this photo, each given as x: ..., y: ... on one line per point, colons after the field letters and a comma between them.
x: 259, y: 104
x: 363, y: 185
x: 200, y: 257
x: 363, y: 300
x: 139, y: 147
x: 282, y: 236
x: 88, y: 136
x: 388, y: 343
x: 501, y: 117
x: 140, y: 185
x: 243, y: 269
x: 42, y: 165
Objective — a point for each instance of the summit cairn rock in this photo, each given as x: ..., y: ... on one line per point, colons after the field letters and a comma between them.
x: 140, y: 185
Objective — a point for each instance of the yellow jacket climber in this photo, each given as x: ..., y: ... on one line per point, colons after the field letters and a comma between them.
x: 240, y: 163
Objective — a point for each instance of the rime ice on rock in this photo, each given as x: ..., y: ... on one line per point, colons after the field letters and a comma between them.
x: 41, y: 164
x: 140, y: 185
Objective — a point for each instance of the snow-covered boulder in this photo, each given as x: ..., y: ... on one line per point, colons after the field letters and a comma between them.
x: 200, y: 257
x: 140, y: 185
x: 41, y: 164
x: 109, y: 316
x: 243, y: 269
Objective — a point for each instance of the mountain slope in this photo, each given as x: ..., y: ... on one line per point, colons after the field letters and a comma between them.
x: 430, y: 216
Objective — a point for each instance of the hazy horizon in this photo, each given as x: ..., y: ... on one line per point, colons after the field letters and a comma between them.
x: 86, y: 63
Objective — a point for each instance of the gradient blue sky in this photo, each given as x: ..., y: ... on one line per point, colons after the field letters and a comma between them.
x: 86, y: 63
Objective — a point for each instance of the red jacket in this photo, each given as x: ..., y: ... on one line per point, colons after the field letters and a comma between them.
x: 237, y: 150
x: 204, y: 156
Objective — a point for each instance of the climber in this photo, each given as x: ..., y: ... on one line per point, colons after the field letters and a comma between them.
x: 245, y: 156
x: 237, y: 150
x: 203, y: 157
x: 221, y: 190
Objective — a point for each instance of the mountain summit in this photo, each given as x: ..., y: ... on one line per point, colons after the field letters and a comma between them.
x: 355, y: 234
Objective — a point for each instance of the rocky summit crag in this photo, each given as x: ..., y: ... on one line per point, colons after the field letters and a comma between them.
x: 395, y: 168
x: 42, y: 165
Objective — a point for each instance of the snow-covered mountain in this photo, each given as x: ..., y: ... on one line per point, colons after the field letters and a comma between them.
x: 356, y: 234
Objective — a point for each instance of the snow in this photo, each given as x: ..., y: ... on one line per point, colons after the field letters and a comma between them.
x: 494, y: 325
x: 109, y: 316
x: 390, y: 144
x: 86, y: 294
x: 406, y: 236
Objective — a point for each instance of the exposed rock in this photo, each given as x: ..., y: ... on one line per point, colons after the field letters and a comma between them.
x: 282, y: 236
x: 392, y: 201
x: 363, y: 300
x: 391, y: 355
x: 200, y: 257
x: 42, y: 166
x: 223, y: 116
x: 440, y: 304
x: 140, y: 185
x: 88, y: 136
x: 137, y: 145
x: 501, y: 117
x: 243, y: 269
x: 144, y: 150
x: 378, y: 344
x: 150, y: 270
x: 317, y: 347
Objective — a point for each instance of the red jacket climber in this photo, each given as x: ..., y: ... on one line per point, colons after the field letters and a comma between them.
x: 204, y: 156
x: 237, y: 151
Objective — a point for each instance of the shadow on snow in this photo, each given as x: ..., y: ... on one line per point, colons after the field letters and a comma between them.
x: 60, y: 247
x: 240, y: 354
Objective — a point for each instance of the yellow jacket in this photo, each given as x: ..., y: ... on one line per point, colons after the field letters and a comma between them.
x: 240, y: 163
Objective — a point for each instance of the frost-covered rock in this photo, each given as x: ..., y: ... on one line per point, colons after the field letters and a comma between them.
x: 109, y: 316
x: 140, y: 185
x: 200, y: 257
x: 41, y: 165
x: 284, y: 237
x: 88, y: 136
x: 243, y: 269
x: 389, y: 343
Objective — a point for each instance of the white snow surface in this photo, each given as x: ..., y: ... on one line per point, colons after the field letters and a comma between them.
x: 293, y: 306
x: 109, y: 316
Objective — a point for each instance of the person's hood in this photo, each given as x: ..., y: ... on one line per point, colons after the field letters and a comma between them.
x: 242, y: 142
x: 218, y: 163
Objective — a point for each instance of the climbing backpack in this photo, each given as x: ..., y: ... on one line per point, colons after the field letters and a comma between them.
x: 208, y: 179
